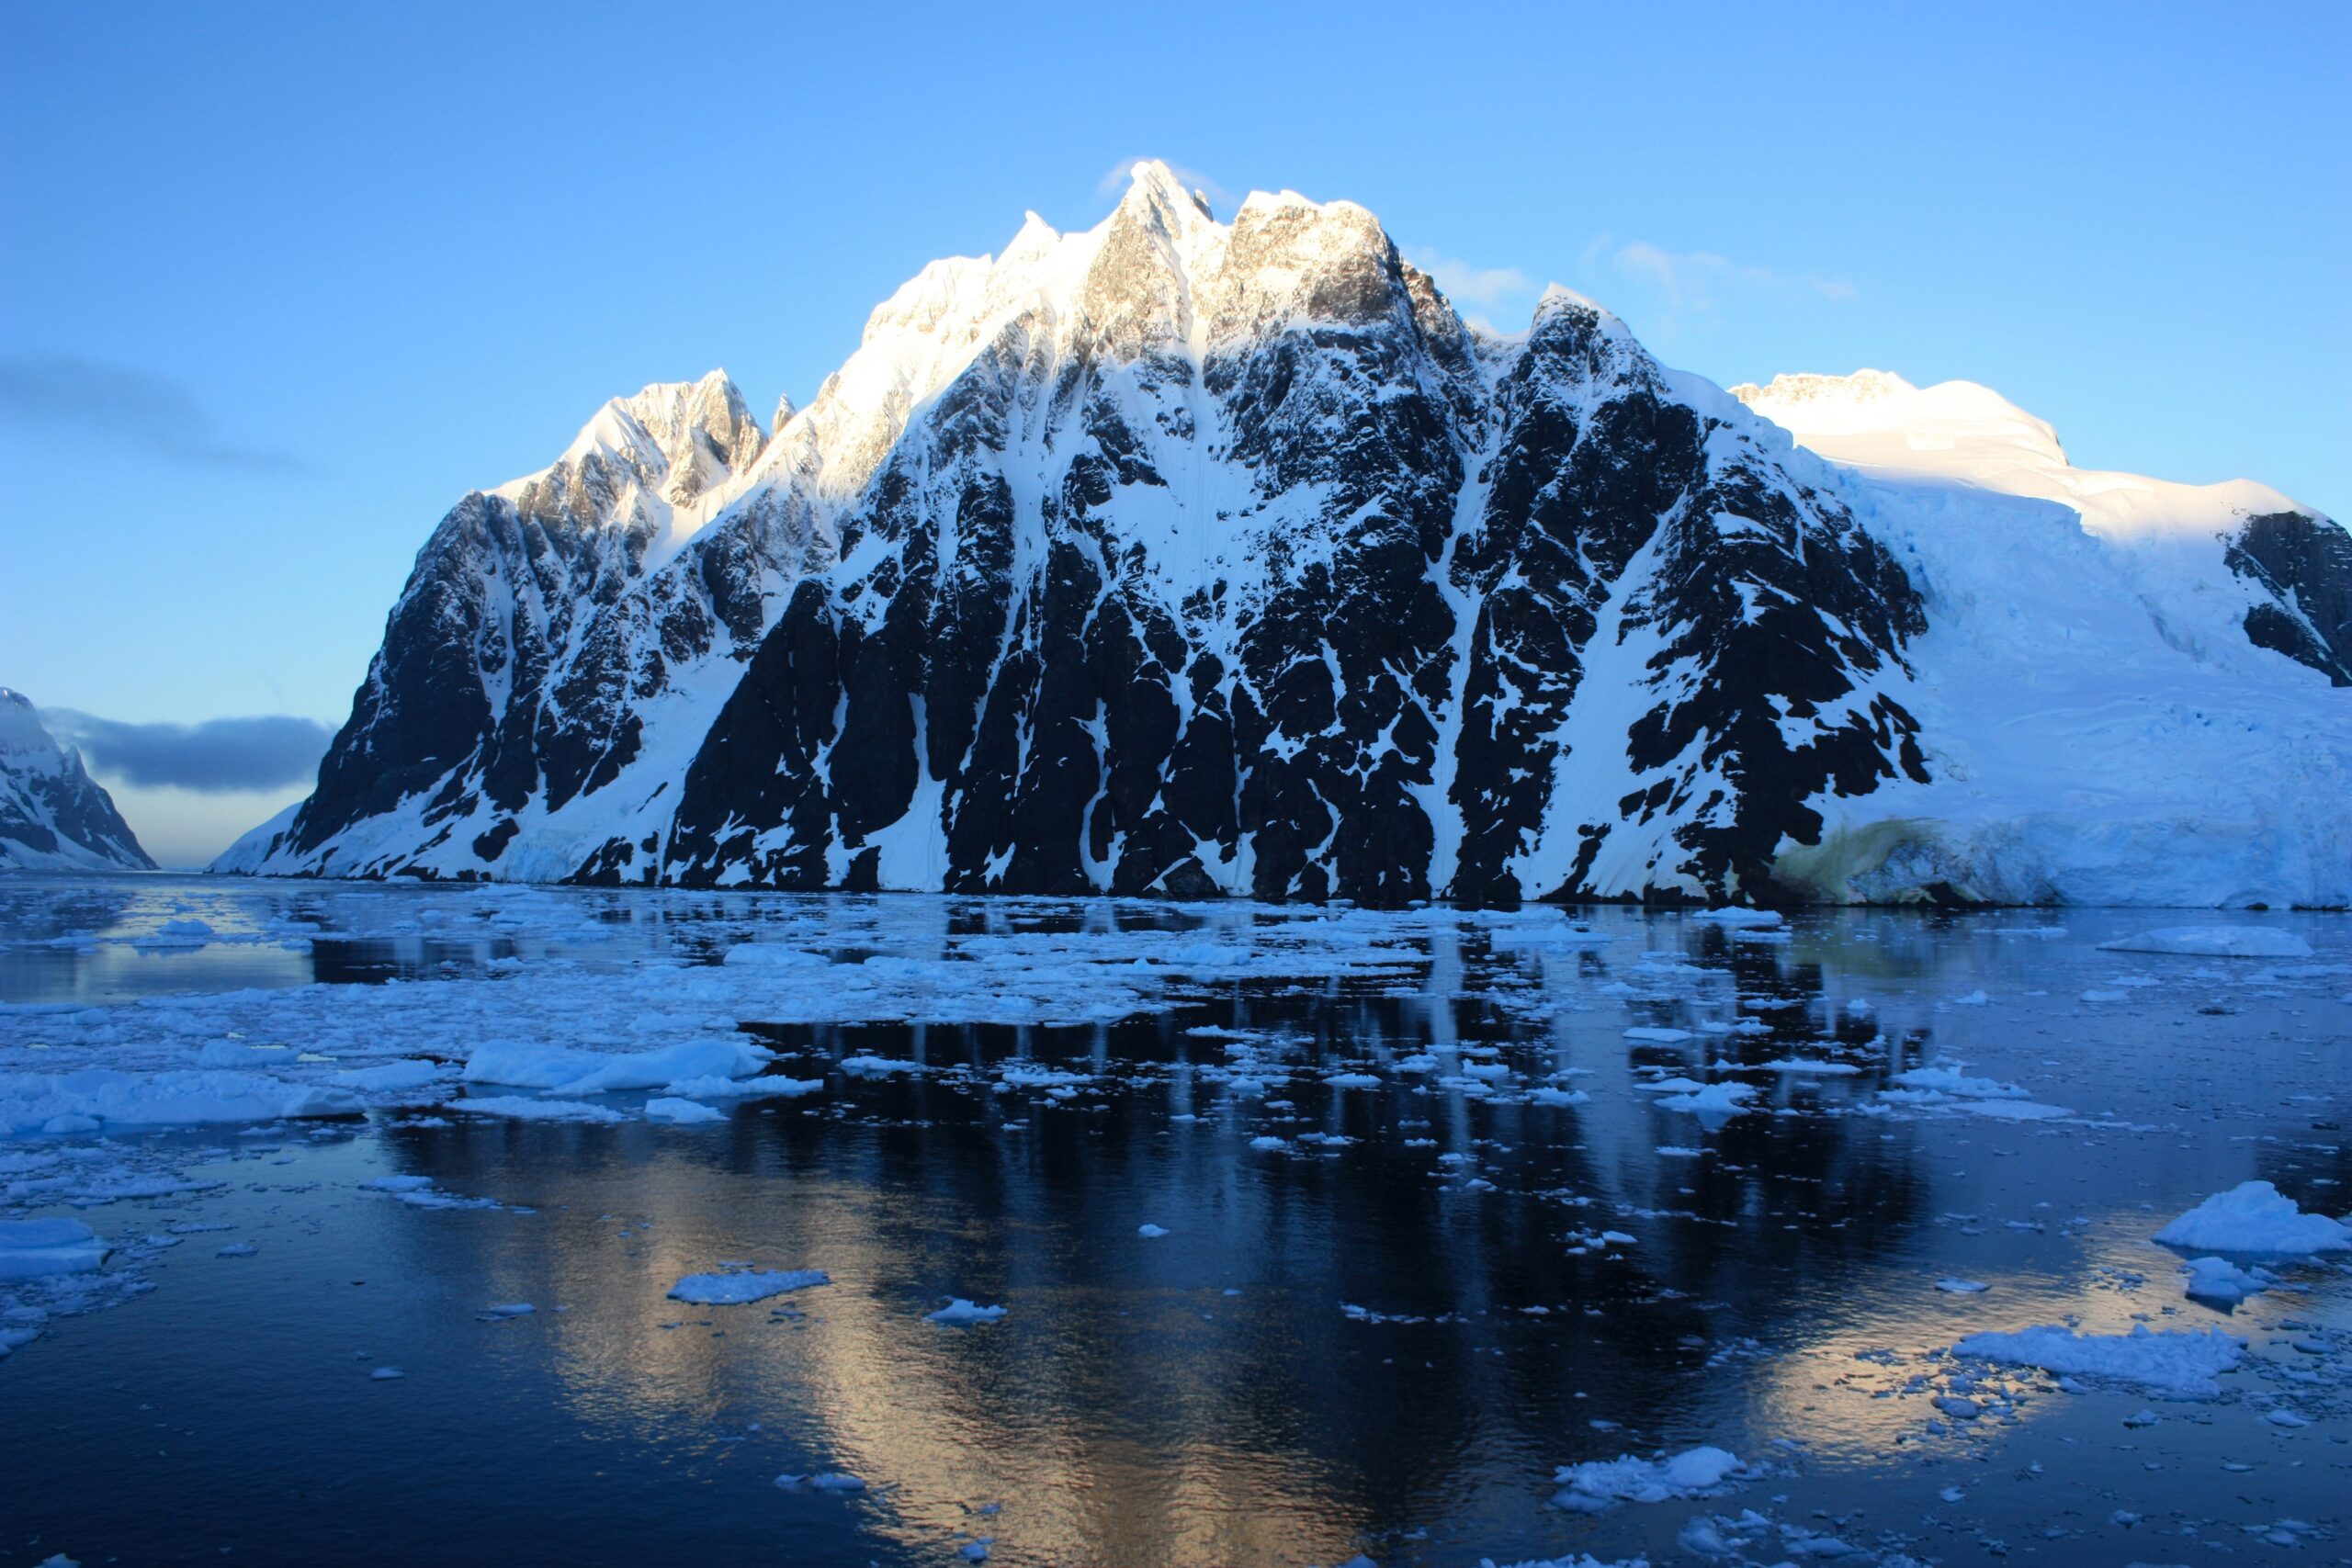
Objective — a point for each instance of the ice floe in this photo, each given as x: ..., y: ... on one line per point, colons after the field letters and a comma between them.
x: 522, y: 1107
x: 737, y: 1287
x: 2254, y: 1216
x: 960, y: 1312
x: 31, y: 1102
x: 30, y: 1249
x: 1600, y: 1485
x: 2214, y: 942
x: 2181, y: 1362
x: 560, y: 1069
x: 681, y: 1111
x: 2222, y: 1282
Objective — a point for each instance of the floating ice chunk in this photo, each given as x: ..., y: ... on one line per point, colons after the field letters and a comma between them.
x: 1711, y: 1100
x: 425, y: 1197
x: 32, y: 1249
x: 399, y: 1183
x: 1973, y: 999
x: 1030, y: 1074
x: 837, y: 1481
x: 1946, y: 1078
x: 2214, y: 942
x: 977, y: 1551
x: 767, y: 955
x: 1267, y: 1141
x: 960, y: 1313
x: 1353, y: 1080
x: 2018, y: 1110
x: 2254, y: 1216
x: 239, y: 1250
x: 2282, y: 1416
x: 29, y: 1101
x: 1962, y: 1287
x: 567, y: 1070
x: 522, y: 1108
x: 2182, y: 1363
x: 1150, y: 1231
x: 510, y: 1309
x: 872, y: 1066
x: 1600, y: 1485
x: 2107, y: 995
x: 749, y: 1285
x: 1733, y: 915
x: 1547, y: 1095
x: 766, y: 1085
x: 238, y: 1053
x: 1807, y: 1065
x: 414, y: 1073
x: 386, y: 1374
x: 681, y: 1111
x: 186, y: 932
x: 2222, y: 1282
x: 1659, y: 1037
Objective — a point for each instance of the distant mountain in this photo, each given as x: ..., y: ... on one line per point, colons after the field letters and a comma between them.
x: 1188, y: 557
x: 53, y: 816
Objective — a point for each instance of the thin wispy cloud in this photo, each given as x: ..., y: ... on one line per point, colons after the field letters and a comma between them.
x: 1694, y: 286
x: 218, y: 755
x: 1465, y: 284
x: 125, y: 408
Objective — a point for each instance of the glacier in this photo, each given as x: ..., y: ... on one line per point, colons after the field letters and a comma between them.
x: 1189, y: 556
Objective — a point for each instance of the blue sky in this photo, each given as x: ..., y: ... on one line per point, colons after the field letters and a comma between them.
x: 279, y: 284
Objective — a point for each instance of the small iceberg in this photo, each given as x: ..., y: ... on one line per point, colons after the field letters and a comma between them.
x: 2254, y: 1216
x: 961, y: 1314
x: 33, y: 1250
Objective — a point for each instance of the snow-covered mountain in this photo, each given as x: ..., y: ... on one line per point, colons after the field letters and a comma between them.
x: 53, y: 815
x: 1192, y: 556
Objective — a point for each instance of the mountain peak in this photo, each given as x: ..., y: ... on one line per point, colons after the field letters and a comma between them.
x: 53, y: 816
x: 1152, y: 183
x: 21, y: 726
x: 1187, y: 557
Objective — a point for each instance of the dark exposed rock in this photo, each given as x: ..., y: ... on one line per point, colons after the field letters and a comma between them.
x: 2305, y: 564
x: 1176, y: 560
x: 53, y: 815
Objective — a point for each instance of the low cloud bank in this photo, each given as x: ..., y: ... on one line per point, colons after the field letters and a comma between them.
x: 218, y: 755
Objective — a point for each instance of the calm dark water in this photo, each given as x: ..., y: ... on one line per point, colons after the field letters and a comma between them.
x: 1380, y: 1337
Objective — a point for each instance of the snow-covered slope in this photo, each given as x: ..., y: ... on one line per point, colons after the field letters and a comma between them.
x: 2104, y: 708
x: 53, y: 816
x: 1189, y: 556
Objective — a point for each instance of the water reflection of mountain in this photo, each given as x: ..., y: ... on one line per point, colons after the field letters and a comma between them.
x: 1138, y: 1412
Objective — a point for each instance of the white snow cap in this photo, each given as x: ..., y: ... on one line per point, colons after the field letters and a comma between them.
x: 1876, y: 421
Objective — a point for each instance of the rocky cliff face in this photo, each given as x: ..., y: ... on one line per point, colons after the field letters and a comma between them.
x: 1175, y: 556
x: 53, y: 816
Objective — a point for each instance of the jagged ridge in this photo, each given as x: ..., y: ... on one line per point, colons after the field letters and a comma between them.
x: 53, y: 815
x: 1182, y: 556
